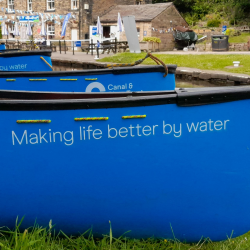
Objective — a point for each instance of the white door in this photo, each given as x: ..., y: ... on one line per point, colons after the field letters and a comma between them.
x: 74, y: 37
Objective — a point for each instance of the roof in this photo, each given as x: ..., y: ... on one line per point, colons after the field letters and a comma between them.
x: 143, y: 12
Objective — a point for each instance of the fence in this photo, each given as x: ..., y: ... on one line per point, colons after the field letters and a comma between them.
x: 87, y: 45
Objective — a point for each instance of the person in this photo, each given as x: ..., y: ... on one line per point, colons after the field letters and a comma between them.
x: 98, y: 45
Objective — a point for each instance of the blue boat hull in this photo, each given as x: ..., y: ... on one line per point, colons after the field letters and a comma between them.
x: 25, y: 61
x: 147, y: 78
x: 2, y: 46
x: 185, y: 167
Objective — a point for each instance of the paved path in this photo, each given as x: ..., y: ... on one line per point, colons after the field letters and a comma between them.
x: 211, y: 71
x: 79, y: 56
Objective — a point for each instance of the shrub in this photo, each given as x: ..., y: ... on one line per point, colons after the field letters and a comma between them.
x: 232, y: 32
x: 213, y: 23
x: 151, y: 39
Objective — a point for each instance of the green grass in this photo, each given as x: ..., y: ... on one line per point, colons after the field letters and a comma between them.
x: 205, y: 62
x: 38, y: 238
x: 243, y: 38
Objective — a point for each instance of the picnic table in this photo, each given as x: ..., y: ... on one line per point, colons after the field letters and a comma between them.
x: 106, y: 46
x: 47, y: 47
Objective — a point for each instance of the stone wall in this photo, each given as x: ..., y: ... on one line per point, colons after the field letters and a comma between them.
x: 232, y: 47
x: 85, y: 18
x: 239, y: 47
x: 162, y: 22
x: 61, y: 8
x: 220, y: 79
x: 144, y: 27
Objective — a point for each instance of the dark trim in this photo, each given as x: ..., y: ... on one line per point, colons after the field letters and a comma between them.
x: 195, y: 97
x: 183, y: 98
x: 39, y: 95
x: 26, y: 53
x: 46, y: 11
x: 24, y: 105
x: 121, y: 70
x: 144, y: 69
x: 9, y: 50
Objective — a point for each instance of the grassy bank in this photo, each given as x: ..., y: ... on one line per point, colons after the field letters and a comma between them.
x: 206, y: 62
x: 38, y: 238
x: 243, y: 38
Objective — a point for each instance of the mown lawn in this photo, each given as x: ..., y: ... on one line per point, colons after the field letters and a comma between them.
x: 38, y: 238
x: 243, y: 38
x: 206, y: 62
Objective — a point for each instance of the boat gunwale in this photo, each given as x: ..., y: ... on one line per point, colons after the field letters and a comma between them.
x: 26, y: 53
x: 95, y: 103
x: 181, y: 97
x: 45, y: 95
x: 198, y: 96
x: 114, y: 71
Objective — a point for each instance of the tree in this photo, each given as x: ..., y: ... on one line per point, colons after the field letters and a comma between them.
x: 196, y: 9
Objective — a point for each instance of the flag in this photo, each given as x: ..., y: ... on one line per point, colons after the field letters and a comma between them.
x: 16, y: 30
x: 66, y: 19
x: 119, y: 23
x: 4, y: 29
x: 43, y: 30
x: 29, y: 31
x: 99, y: 27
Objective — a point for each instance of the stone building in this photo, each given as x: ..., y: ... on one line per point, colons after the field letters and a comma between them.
x: 85, y: 12
x: 152, y: 20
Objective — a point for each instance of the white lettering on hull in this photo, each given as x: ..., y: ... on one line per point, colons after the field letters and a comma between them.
x: 13, y: 67
x: 90, y: 132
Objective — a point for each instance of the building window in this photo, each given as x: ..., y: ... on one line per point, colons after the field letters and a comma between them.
x: 29, y: 5
x: 74, y: 4
x: 138, y: 2
x: 51, y: 31
x: 10, y: 5
x: 138, y: 31
x: 50, y: 4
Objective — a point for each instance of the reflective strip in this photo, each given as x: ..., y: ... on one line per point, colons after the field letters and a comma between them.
x: 37, y: 80
x: 133, y: 116
x: 92, y: 119
x: 68, y: 79
x: 33, y: 121
x: 91, y: 79
x: 10, y: 80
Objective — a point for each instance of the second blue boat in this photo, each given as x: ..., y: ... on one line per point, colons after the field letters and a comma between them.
x: 25, y: 60
x: 127, y: 79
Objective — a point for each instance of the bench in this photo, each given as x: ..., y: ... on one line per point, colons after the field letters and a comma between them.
x: 86, y: 48
x: 107, y: 48
x: 47, y: 47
